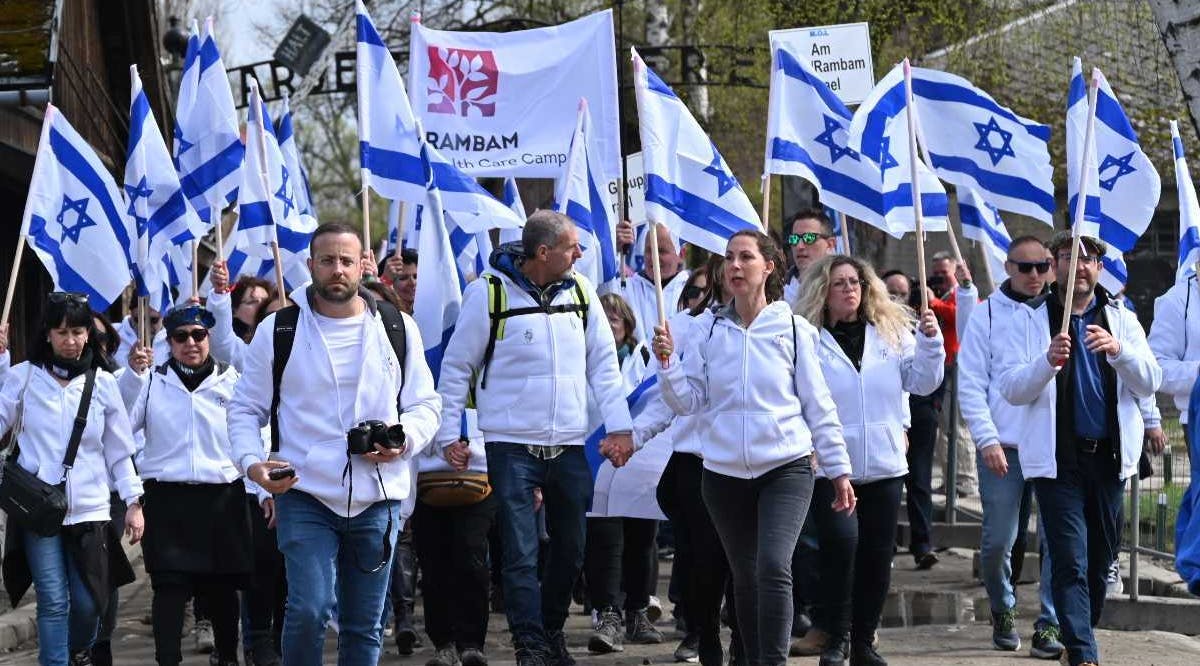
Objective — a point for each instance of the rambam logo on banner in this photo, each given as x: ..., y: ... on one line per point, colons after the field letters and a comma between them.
x: 462, y: 82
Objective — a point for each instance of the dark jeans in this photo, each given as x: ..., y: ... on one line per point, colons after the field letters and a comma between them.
x: 878, y: 511
x: 922, y: 437
x: 619, y: 562
x: 805, y: 564
x: 171, y: 594
x: 838, y: 535
x: 402, y: 583
x: 759, y: 521
x: 696, y: 543
x: 536, y: 611
x: 1081, y: 513
x: 263, y: 602
x: 452, y: 548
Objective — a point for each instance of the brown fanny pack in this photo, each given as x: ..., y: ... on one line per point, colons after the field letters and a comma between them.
x: 449, y: 489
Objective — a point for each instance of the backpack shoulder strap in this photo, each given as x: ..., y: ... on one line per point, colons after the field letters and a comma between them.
x: 581, y: 297
x: 393, y: 323
x: 85, y: 402
x: 497, y: 301
x: 284, y: 337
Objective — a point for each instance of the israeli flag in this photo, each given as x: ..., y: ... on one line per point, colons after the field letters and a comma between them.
x: 1123, y: 186
x: 389, y: 146
x: 579, y: 197
x: 1189, y: 211
x: 981, y: 223
x: 981, y: 145
x: 158, y: 212
x: 441, y: 281
x: 512, y: 199
x: 689, y: 187
x: 208, y: 150
x: 473, y: 208
x: 286, y: 134
x: 807, y: 136
x: 74, y: 216
x: 603, y: 501
x: 879, y: 131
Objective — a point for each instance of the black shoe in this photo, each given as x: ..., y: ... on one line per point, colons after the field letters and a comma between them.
x: 102, y: 654
x: 406, y: 641
x: 473, y: 657
x: 836, y: 652
x: 82, y: 658
x: 800, y: 625
x: 711, y: 652
x: 926, y: 560
x: 559, y: 655
x: 608, y: 636
x: 640, y: 630
x: 213, y: 660
x: 446, y: 655
x: 689, y: 649
x: 262, y: 653
x: 864, y: 654
x: 531, y: 657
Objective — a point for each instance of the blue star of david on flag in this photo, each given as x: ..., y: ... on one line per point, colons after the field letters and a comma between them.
x: 183, y: 144
x: 82, y: 221
x: 725, y: 180
x: 826, y: 139
x: 282, y: 195
x: 996, y: 153
x: 1123, y: 169
x: 135, y: 192
x: 886, y: 160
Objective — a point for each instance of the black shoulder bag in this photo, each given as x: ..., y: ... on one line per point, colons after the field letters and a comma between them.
x: 30, y: 502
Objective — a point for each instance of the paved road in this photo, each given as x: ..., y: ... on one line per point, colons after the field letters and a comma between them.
x: 939, y: 645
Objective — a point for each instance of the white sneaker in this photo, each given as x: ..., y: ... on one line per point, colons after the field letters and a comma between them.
x: 1113, y: 579
x: 204, y: 637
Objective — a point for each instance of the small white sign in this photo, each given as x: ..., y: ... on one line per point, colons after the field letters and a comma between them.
x: 840, y: 55
x: 635, y: 189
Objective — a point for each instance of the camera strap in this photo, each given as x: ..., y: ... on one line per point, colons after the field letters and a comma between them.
x: 348, y: 473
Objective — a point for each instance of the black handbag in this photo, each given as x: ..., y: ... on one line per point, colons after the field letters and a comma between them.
x: 30, y: 502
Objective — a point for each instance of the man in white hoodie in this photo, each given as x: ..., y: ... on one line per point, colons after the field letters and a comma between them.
x: 1175, y: 341
x: 530, y: 342
x: 996, y: 427
x: 1083, y: 431
x: 338, y: 513
x: 638, y: 290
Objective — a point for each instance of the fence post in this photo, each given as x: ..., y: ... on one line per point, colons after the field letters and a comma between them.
x: 1135, y: 515
x: 951, y: 477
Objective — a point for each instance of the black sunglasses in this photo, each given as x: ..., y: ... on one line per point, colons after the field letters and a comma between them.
x: 60, y: 297
x: 196, y: 334
x: 808, y: 238
x: 690, y: 292
x: 1042, y: 267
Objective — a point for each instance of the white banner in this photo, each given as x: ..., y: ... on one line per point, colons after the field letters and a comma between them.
x: 504, y: 104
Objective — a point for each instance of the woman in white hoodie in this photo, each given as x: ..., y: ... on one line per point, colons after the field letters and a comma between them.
x: 751, y: 372
x: 871, y: 361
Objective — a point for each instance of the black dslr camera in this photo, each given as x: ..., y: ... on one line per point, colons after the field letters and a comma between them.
x: 361, y: 438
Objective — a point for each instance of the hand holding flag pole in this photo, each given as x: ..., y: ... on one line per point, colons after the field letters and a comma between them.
x: 1080, y: 200
x: 656, y: 273
x: 916, y: 188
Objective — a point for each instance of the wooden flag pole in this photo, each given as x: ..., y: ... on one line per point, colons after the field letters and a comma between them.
x: 1080, y: 201
x: 12, y: 279
x: 958, y: 256
x: 143, y: 328
x: 766, y: 205
x: 916, y: 188
x: 400, y: 229
x: 195, y: 270
x: 366, y: 211
x: 656, y: 273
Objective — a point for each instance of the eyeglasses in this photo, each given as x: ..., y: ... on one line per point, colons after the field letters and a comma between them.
x: 808, y: 238
x: 1041, y: 267
x: 1084, y: 259
x: 851, y: 283
x: 60, y: 297
x: 691, y: 292
x: 196, y: 335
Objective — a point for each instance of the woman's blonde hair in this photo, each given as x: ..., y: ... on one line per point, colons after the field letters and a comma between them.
x: 891, y: 319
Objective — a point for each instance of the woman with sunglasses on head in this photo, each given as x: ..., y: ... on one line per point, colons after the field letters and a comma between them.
x: 750, y: 369
x: 199, y: 538
x: 870, y: 359
x: 69, y: 570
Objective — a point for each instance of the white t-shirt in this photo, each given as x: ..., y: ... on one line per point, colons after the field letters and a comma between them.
x: 343, y: 339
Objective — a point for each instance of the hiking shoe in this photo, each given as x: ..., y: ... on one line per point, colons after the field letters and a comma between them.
x: 472, y: 657
x: 262, y: 652
x: 608, y: 636
x: 406, y: 642
x: 1046, y: 643
x: 445, y: 656
x: 864, y: 654
x: 204, y: 637
x: 835, y: 653
x: 689, y: 648
x: 559, y: 655
x: 926, y: 560
x: 82, y: 658
x: 1004, y: 632
x: 811, y: 645
x: 639, y: 629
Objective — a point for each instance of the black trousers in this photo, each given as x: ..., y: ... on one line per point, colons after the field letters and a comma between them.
x: 265, y: 597
x: 878, y: 512
x: 171, y: 594
x: 452, y: 548
x: 837, y: 532
x: 922, y: 437
x: 619, y: 561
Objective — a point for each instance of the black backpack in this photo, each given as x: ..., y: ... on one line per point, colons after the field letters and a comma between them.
x: 285, y: 335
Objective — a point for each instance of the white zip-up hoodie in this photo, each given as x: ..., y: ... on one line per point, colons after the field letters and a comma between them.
x: 990, y: 418
x: 127, y: 331
x: 225, y: 345
x: 762, y: 399
x: 1175, y: 341
x: 872, y: 403
x: 1027, y: 378
x: 105, y: 450
x: 311, y: 432
x: 639, y: 293
x: 657, y: 419
x: 187, y: 436
x: 537, y: 385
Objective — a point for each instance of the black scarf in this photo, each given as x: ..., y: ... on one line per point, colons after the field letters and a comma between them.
x: 851, y: 336
x: 192, y: 377
x: 1007, y: 290
x: 70, y: 368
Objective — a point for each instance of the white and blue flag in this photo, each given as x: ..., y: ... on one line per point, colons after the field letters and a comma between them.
x: 474, y: 209
x: 981, y: 223
x: 436, y: 311
x: 285, y: 132
x: 1123, y: 188
x: 159, y: 215
x: 689, y: 187
x: 75, y: 217
x: 512, y: 199
x: 1189, y: 211
x: 208, y: 150
x: 981, y: 145
x: 581, y: 197
x: 879, y: 132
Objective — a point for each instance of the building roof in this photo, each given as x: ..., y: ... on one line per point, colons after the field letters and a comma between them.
x: 25, y: 41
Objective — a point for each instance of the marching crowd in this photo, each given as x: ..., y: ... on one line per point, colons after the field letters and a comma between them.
x: 288, y: 467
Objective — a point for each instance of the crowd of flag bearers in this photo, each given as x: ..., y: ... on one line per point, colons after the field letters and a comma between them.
x: 500, y: 399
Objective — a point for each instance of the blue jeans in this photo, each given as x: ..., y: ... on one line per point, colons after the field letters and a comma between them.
x: 323, y: 553
x: 1081, y: 513
x: 67, y: 616
x: 1001, y: 510
x: 535, y: 612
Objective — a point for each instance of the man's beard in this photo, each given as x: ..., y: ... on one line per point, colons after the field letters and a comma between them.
x: 326, y: 292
